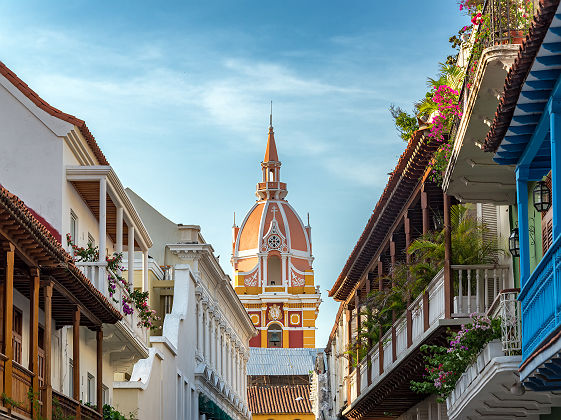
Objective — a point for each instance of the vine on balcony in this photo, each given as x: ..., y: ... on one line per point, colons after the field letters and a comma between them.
x: 441, y: 108
x: 132, y: 298
x: 446, y: 364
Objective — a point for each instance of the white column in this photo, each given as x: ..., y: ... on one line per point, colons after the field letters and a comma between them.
x: 236, y: 371
x: 200, y: 328
x: 102, y: 218
x: 284, y: 275
x: 207, y: 336
x: 119, y: 230
x: 145, y: 272
x: 131, y: 255
x: 212, y: 341
x: 232, y: 352
x: 215, y: 343
x: 228, y: 361
x: 222, y: 354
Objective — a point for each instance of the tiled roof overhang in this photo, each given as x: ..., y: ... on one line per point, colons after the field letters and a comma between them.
x: 528, y: 86
x: 35, y: 242
x: 41, y: 103
x: 402, y: 182
x: 293, y: 399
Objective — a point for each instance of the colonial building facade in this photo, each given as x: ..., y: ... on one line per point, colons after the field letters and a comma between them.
x: 272, y: 262
x: 52, y: 162
x: 197, y: 363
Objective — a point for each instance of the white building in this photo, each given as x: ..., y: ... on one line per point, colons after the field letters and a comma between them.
x: 197, y: 367
x: 52, y: 162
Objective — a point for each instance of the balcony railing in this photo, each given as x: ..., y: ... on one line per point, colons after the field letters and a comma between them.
x: 276, y: 185
x: 470, y: 387
x: 541, y: 300
x: 96, y: 272
x: 475, y: 288
x: 506, y: 22
x: 507, y: 308
x: 21, y: 384
x: 67, y: 408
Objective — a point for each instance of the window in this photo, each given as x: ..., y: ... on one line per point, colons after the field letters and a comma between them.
x: 91, y: 239
x: 274, y: 336
x: 91, y: 388
x: 271, y: 175
x: 70, y: 377
x: 168, y: 304
x: 274, y: 271
x: 16, y: 334
x: 74, y: 227
x: 41, y: 353
x: 104, y: 394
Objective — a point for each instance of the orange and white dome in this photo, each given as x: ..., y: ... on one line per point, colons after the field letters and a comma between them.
x: 272, y: 262
x: 272, y: 225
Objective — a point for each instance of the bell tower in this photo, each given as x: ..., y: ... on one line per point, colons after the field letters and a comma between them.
x: 272, y: 263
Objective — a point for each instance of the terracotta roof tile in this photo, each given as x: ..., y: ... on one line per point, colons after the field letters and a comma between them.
x: 518, y: 72
x: 289, y: 399
x: 61, y: 261
x: 41, y: 103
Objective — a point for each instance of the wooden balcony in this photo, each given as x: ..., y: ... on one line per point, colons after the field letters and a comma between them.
x: 66, y: 407
x: 381, y: 382
x: 63, y: 406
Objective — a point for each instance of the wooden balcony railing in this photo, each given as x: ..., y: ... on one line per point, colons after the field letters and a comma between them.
x: 63, y: 406
x: 66, y: 407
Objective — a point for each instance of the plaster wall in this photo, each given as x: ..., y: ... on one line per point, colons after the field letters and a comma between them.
x: 31, y: 158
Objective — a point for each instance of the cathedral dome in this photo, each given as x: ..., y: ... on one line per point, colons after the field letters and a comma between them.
x: 272, y: 263
x: 273, y: 225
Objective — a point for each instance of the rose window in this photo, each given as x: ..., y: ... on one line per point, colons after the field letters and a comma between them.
x: 274, y: 241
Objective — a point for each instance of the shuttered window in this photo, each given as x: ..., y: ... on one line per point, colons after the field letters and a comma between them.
x: 547, y: 223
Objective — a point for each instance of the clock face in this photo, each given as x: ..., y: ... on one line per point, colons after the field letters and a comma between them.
x: 274, y: 241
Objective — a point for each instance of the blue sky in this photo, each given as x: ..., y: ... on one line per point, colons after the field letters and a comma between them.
x: 177, y: 95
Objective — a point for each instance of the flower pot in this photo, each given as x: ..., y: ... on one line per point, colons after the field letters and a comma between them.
x: 517, y: 36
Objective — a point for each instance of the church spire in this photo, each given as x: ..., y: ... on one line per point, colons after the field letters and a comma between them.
x: 271, y: 188
x: 271, y: 151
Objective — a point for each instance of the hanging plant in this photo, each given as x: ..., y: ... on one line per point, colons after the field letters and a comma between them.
x: 132, y: 298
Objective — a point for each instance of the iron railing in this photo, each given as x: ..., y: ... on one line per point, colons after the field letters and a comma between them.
x: 504, y: 22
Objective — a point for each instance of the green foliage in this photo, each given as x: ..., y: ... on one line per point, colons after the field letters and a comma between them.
x: 445, y: 365
x: 469, y: 245
x: 9, y: 402
x: 408, y: 281
x: 405, y: 123
x: 109, y: 413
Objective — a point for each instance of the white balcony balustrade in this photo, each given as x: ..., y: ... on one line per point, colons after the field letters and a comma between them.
x: 475, y: 289
x: 97, y: 273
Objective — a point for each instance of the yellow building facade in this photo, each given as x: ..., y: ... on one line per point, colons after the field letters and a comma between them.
x: 272, y: 262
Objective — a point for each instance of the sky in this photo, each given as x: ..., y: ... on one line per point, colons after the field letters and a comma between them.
x: 177, y: 94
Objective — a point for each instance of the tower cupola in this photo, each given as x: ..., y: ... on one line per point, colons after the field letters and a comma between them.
x: 271, y: 188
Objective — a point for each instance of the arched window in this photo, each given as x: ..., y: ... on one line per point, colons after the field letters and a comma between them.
x: 271, y: 175
x: 274, y: 336
x: 274, y: 277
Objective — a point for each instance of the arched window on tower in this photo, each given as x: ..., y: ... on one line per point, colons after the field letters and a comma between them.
x: 271, y: 175
x: 274, y: 276
x: 274, y: 336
